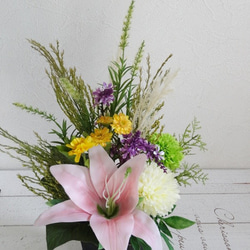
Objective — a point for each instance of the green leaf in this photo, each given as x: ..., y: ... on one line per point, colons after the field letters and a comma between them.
x: 163, y: 227
x: 61, y: 156
x: 60, y: 233
x: 144, y: 245
x: 134, y: 242
x: 140, y: 200
x: 53, y: 202
x: 168, y: 241
x: 100, y: 247
x: 138, y: 243
x: 178, y: 222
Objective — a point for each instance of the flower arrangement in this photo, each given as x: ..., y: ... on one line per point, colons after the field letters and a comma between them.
x: 112, y: 178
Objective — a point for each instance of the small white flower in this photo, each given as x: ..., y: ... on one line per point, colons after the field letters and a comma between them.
x: 159, y: 190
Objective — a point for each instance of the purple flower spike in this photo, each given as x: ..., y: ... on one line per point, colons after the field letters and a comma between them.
x: 134, y: 144
x: 104, y: 95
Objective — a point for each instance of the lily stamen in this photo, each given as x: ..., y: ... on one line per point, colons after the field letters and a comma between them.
x: 110, y: 200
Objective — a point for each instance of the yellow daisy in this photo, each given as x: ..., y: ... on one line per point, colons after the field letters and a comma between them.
x: 79, y: 146
x: 121, y: 124
x: 105, y: 120
x: 101, y: 136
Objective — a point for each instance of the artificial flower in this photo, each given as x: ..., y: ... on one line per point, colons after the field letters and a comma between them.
x: 96, y: 190
x: 79, y: 146
x: 158, y: 191
x: 105, y: 120
x: 106, y: 196
x: 133, y: 144
x: 101, y: 136
x: 172, y: 150
x: 104, y: 95
x: 121, y: 124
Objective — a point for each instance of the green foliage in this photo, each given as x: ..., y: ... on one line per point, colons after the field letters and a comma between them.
x: 63, y: 129
x: 126, y: 28
x: 167, y: 241
x: 137, y: 60
x: 178, y: 222
x: 122, y: 88
x: 174, y: 222
x: 188, y: 173
x: 62, y: 133
x: 60, y: 233
x: 38, y: 158
x: 53, y: 202
x: 161, y: 70
x: 164, y: 228
x: 121, y: 74
x: 36, y: 111
x: 191, y: 139
x: 164, y: 231
x: 134, y: 70
x: 138, y: 243
x: 69, y: 88
x: 73, y: 95
x: 100, y: 246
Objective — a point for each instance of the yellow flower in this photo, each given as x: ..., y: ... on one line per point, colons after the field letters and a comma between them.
x: 105, y: 120
x: 79, y: 146
x: 121, y: 124
x: 101, y: 136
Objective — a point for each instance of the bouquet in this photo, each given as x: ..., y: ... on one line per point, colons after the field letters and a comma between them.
x: 112, y: 176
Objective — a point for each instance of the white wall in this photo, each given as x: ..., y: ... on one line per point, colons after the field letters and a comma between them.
x: 210, y: 41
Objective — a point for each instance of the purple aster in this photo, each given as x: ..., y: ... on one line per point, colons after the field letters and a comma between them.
x: 134, y: 144
x: 104, y: 95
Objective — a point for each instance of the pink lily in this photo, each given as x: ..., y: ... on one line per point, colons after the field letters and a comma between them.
x: 106, y: 196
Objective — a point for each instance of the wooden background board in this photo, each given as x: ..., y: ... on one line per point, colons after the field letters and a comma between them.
x: 220, y: 209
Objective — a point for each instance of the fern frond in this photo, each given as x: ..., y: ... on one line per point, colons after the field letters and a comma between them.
x: 189, y: 173
x: 191, y: 139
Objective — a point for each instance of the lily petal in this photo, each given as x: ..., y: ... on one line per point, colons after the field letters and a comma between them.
x: 101, y: 167
x: 77, y: 184
x: 65, y: 211
x: 113, y: 233
x: 146, y: 229
x: 129, y: 196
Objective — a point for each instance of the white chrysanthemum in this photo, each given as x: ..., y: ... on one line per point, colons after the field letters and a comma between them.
x: 159, y: 190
